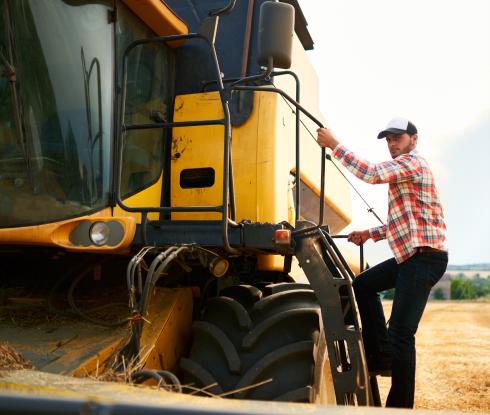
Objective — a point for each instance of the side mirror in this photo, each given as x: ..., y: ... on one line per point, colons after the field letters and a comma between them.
x: 276, y: 28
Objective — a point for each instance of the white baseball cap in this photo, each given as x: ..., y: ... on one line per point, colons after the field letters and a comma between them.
x: 398, y: 125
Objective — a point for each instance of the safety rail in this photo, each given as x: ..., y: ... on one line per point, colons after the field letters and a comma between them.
x: 298, y: 106
x: 228, y: 203
x: 331, y: 279
x: 266, y: 76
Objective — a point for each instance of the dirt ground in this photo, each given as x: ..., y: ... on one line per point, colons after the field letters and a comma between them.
x: 453, y: 357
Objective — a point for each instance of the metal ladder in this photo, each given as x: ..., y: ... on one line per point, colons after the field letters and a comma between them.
x: 331, y: 279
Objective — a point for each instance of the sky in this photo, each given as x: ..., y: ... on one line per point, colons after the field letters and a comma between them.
x: 428, y: 61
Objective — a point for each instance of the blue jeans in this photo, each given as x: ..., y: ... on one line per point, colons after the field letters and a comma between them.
x: 412, y: 280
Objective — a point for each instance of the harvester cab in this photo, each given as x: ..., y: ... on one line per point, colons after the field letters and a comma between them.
x: 162, y: 183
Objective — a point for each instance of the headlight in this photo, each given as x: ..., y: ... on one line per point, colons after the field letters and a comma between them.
x: 99, y: 233
x: 218, y: 266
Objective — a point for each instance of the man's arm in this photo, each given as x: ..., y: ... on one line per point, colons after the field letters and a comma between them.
x: 359, y: 237
x: 401, y: 169
x: 378, y: 233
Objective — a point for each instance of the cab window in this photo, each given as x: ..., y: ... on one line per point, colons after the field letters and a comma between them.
x: 148, y: 98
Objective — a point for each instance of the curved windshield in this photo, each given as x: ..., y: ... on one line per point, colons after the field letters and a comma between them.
x: 148, y: 100
x: 56, y: 74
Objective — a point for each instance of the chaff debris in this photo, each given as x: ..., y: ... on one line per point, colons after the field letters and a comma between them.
x: 12, y: 360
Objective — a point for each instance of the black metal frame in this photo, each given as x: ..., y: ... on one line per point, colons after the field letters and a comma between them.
x: 208, y: 30
x: 228, y: 189
x: 331, y: 279
x: 228, y: 202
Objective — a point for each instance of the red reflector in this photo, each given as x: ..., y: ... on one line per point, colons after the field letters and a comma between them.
x: 282, y: 236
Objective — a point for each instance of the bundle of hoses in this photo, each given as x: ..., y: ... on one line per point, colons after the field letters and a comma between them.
x: 139, y: 296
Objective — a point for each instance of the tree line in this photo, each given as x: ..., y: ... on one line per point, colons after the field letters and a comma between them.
x: 468, y: 289
x: 462, y: 288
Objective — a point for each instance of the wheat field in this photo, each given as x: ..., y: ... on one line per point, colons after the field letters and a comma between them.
x: 453, y: 357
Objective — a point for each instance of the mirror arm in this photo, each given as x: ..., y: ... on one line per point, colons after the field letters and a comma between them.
x: 264, y: 76
x: 225, y: 10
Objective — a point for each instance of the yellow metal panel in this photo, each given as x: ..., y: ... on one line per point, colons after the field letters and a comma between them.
x: 158, y: 16
x: 197, y: 147
x: 167, y: 334
x: 263, y: 152
x: 96, y: 364
x: 254, y: 159
x: 246, y: 169
x: 149, y: 197
x: 272, y: 195
x: 99, y: 348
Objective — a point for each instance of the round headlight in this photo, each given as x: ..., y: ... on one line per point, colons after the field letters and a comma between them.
x: 218, y: 266
x: 99, y: 233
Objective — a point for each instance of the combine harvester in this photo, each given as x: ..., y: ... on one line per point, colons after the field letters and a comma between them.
x: 160, y: 200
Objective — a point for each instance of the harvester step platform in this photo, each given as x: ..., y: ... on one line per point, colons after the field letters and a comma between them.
x: 330, y: 279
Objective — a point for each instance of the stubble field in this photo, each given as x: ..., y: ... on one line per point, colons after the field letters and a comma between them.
x: 453, y: 357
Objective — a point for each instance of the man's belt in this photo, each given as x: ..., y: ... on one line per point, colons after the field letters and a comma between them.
x: 427, y: 249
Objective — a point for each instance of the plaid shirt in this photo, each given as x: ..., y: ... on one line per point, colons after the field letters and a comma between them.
x: 415, y: 215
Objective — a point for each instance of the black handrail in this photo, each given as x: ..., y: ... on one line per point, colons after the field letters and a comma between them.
x: 324, y: 231
x: 228, y: 201
x: 311, y: 117
x: 266, y: 76
x: 172, y: 124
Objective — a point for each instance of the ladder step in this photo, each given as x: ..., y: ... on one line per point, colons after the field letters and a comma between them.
x: 338, y: 309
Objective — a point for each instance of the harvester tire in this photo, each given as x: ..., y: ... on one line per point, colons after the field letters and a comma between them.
x: 268, y: 349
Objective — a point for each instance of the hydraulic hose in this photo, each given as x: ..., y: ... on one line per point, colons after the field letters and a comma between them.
x: 152, y: 278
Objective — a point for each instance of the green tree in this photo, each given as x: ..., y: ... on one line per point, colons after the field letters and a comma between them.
x: 439, y: 294
x: 482, y: 286
x: 462, y: 290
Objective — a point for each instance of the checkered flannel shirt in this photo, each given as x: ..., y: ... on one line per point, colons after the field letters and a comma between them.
x: 415, y: 215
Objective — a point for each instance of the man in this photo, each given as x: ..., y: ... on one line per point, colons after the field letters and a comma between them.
x: 416, y: 235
